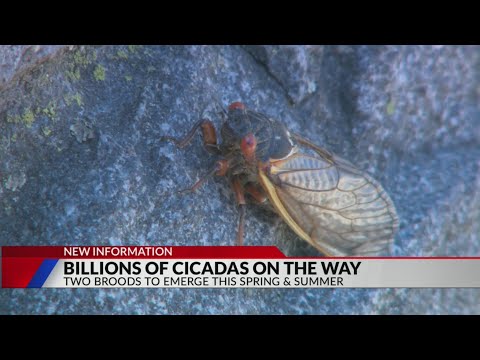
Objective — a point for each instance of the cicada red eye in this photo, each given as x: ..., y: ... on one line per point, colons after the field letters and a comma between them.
x: 237, y: 105
x: 248, y: 146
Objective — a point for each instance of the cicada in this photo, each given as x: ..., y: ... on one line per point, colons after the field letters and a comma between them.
x: 325, y: 200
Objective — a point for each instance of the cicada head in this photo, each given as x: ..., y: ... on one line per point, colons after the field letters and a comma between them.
x: 256, y: 136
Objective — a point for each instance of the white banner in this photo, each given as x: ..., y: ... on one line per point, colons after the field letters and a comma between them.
x: 262, y: 273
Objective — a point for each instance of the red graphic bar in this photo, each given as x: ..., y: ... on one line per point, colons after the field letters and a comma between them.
x: 143, y: 252
x: 17, y: 272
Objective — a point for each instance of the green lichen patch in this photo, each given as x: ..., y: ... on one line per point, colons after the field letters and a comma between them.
x: 151, y: 68
x: 133, y: 48
x: 28, y: 117
x: 128, y: 78
x: 99, y: 73
x: 80, y: 59
x: 73, y: 74
x: 14, y: 119
x: 390, y: 107
x: 50, y: 110
x: 46, y: 131
x: 84, y: 58
x: 122, y: 54
x: 73, y: 98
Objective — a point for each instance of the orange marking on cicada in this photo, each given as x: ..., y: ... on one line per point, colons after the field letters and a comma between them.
x: 240, y: 197
x: 209, y: 133
x: 238, y: 190
x: 256, y: 193
x: 248, y: 146
x: 222, y: 167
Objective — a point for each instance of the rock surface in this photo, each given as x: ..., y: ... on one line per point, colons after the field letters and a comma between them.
x: 16, y: 59
x: 81, y: 162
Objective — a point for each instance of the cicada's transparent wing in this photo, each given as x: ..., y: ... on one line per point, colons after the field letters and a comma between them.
x: 337, y: 208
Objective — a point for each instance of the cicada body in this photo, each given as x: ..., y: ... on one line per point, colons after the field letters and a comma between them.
x: 324, y: 199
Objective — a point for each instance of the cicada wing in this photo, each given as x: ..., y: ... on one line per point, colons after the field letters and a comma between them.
x: 337, y: 208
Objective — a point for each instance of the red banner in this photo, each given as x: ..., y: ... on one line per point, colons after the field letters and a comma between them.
x: 143, y: 252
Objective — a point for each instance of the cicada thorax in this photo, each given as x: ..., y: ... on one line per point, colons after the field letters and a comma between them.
x: 251, y: 141
x: 255, y: 137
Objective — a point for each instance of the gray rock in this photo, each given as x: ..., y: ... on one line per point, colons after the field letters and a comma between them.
x: 16, y: 59
x: 407, y: 115
x: 297, y: 69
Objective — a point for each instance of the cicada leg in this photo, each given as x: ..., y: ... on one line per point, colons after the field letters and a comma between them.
x: 240, y: 197
x: 210, y: 143
x: 256, y: 192
x: 208, y: 132
x: 220, y: 169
